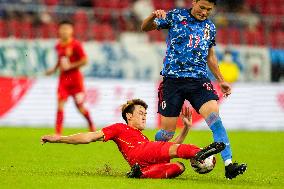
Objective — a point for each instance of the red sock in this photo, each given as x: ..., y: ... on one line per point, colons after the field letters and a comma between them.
x: 187, y: 151
x: 59, y: 122
x: 163, y: 170
x: 89, y: 120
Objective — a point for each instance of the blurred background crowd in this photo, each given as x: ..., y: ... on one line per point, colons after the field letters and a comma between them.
x: 252, y: 22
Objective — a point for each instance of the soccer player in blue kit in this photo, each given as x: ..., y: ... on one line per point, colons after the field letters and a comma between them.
x: 190, y: 46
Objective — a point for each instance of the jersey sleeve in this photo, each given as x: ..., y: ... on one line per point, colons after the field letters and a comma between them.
x: 212, y: 37
x: 165, y: 23
x: 80, y: 50
x: 111, y: 132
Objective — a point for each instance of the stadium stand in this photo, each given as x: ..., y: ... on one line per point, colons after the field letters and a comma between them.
x: 250, y: 22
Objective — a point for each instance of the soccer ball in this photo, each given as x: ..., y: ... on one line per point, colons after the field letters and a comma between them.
x: 205, y: 167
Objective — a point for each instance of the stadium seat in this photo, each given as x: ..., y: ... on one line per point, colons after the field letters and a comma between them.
x: 165, y: 4
x: 122, y: 23
x: 100, y: 4
x: 103, y: 15
x: 102, y: 32
x: 229, y: 35
x: 281, y: 8
x: 222, y: 36
x: 81, y: 31
x: 3, y: 29
x: 235, y: 35
x: 255, y: 37
x: 123, y: 4
x: 48, y: 30
x: 14, y: 28
x: 51, y: 2
x: 27, y: 30
x: 80, y: 16
x: 275, y: 39
x: 114, y: 4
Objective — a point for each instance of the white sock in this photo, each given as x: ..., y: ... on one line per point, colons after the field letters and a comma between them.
x: 228, y: 161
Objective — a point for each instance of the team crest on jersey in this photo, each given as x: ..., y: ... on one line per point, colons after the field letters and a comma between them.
x: 181, y: 18
x: 207, y: 32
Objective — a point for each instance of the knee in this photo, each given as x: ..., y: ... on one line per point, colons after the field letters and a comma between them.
x: 163, y: 135
x: 60, y: 107
x: 181, y: 166
x: 81, y: 108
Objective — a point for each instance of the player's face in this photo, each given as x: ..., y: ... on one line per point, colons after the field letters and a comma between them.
x: 139, y: 117
x: 65, y: 32
x: 201, y: 9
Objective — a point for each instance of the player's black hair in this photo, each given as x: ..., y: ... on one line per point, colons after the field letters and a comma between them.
x: 211, y: 1
x: 129, y: 107
x: 68, y: 22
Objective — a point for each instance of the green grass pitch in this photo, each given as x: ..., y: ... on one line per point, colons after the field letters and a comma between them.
x: 25, y: 163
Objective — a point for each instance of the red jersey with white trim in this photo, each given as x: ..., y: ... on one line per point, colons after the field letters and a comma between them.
x: 126, y: 137
x: 74, y: 52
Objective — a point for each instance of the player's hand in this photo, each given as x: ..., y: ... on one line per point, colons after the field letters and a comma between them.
x: 65, y: 64
x: 186, y: 115
x: 159, y: 14
x: 49, y: 138
x: 225, y: 88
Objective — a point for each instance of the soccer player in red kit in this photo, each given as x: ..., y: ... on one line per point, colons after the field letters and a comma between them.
x: 148, y: 159
x: 71, y: 57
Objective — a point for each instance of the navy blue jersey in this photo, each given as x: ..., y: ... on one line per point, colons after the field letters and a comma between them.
x: 188, y: 43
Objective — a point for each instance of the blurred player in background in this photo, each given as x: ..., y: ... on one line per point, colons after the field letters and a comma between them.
x: 191, y: 37
x: 147, y: 159
x: 71, y: 57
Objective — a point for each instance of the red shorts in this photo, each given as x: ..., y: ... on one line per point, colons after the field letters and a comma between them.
x: 150, y: 153
x: 70, y: 86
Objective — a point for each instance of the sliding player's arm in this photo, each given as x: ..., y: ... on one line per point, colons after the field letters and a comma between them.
x: 148, y: 23
x: 187, y: 122
x: 213, y: 66
x: 80, y: 138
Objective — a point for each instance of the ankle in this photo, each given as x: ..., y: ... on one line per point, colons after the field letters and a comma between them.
x: 228, y: 162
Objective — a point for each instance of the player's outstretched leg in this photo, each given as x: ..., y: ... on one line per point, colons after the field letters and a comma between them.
x: 220, y: 135
x: 188, y: 151
x: 232, y: 170
x: 157, y: 171
x: 209, y: 150
x: 209, y: 112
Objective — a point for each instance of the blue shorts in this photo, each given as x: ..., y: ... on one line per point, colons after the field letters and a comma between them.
x: 173, y: 92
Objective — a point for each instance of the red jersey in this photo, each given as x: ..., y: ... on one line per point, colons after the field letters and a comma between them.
x: 74, y: 52
x: 126, y: 137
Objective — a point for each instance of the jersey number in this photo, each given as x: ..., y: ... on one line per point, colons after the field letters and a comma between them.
x: 197, y: 40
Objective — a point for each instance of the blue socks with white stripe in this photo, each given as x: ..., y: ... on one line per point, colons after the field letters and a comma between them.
x: 220, y: 135
x: 163, y: 135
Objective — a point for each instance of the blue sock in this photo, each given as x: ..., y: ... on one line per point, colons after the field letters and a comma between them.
x: 219, y: 134
x: 163, y: 135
